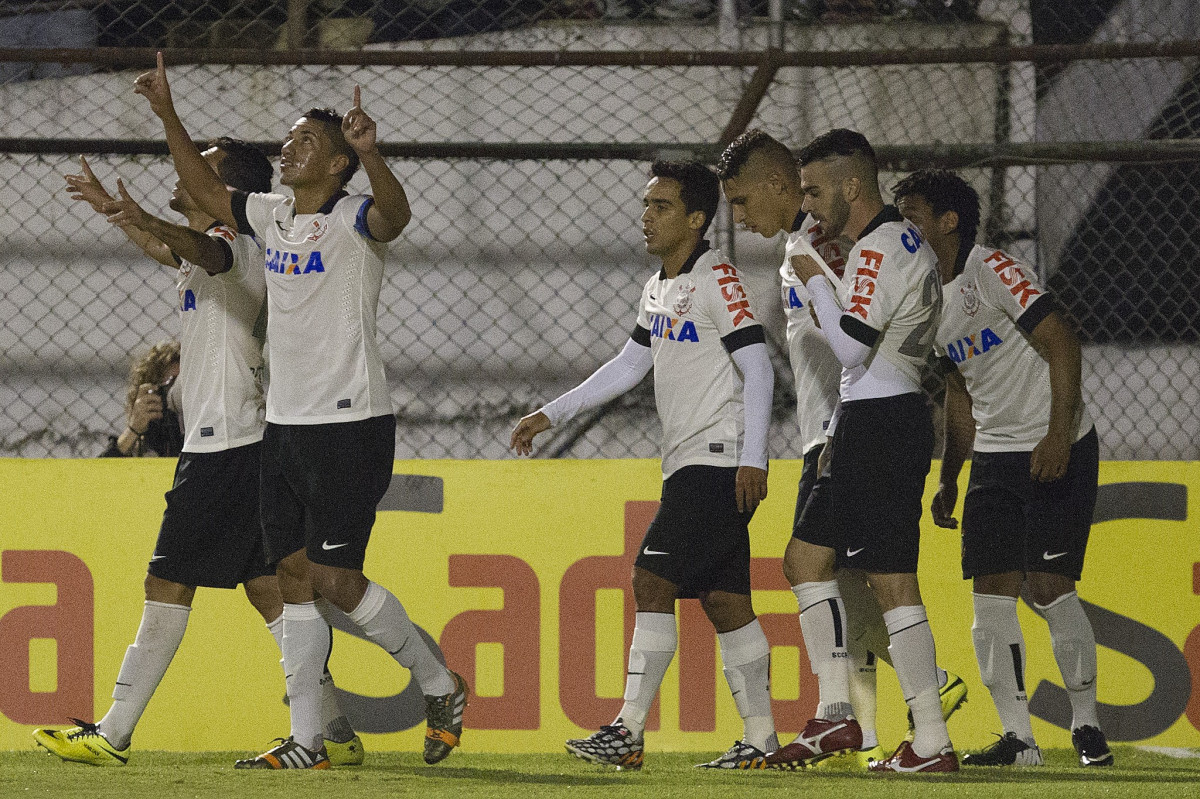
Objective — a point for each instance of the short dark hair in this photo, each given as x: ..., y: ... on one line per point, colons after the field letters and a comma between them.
x: 944, y: 191
x: 332, y: 122
x: 839, y: 141
x: 740, y: 149
x: 699, y: 187
x: 245, y: 167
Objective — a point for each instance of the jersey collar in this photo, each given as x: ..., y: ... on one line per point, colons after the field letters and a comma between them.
x: 701, y: 247
x: 798, y: 222
x: 327, y: 208
x: 888, y: 214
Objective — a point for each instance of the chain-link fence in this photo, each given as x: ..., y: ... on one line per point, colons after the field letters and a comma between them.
x: 522, y: 132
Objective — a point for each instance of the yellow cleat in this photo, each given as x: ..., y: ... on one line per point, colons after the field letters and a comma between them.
x: 953, y: 695
x: 82, y: 744
x: 866, y: 757
x: 345, y: 753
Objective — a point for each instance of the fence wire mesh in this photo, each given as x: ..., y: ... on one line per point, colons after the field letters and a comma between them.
x: 519, y: 273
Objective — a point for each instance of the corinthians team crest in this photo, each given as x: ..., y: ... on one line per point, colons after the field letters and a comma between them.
x: 970, y: 299
x: 683, y: 302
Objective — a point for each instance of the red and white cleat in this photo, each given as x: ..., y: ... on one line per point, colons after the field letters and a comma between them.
x: 906, y: 761
x: 821, y: 739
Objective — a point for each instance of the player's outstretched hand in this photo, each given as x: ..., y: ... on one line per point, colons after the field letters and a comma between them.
x: 87, y: 188
x: 124, y: 211
x: 943, y: 506
x: 750, y: 486
x: 154, y: 87
x: 1049, y: 458
x: 529, y: 426
x: 358, y: 127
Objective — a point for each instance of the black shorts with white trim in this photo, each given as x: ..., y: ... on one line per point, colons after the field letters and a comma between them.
x: 211, y: 534
x: 698, y: 539
x: 321, y: 484
x: 1013, y: 523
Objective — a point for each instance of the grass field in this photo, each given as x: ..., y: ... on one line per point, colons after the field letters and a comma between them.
x: 170, y: 775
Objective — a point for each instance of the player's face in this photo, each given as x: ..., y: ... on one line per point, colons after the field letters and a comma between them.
x: 306, y: 155
x: 181, y: 201
x: 666, y: 227
x: 916, y: 209
x: 823, y: 198
x: 750, y: 198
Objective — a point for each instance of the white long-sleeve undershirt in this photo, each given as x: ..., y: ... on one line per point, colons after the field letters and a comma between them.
x: 610, y: 381
x: 758, y: 380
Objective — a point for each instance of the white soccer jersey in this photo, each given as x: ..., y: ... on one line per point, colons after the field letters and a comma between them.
x: 892, y: 286
x: 988, y: 312
x: 697, y: 387
x: 323, y: 274
x: 815, y: 369
x: 221, y: 359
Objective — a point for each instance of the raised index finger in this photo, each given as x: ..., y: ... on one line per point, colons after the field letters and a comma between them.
x: 357, y: 96
x: 162, y: 70
x: 87, y: 170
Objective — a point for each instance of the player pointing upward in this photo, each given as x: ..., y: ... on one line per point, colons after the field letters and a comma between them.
x: 330, y: 438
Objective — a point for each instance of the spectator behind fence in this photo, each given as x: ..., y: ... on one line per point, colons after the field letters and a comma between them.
x: 153, y: 424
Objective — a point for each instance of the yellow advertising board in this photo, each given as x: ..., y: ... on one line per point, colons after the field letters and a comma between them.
x: 520, y: 572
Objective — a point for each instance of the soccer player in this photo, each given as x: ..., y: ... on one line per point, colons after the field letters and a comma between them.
x: 713, y: 384
x: 762, y: 185
x: 880, y: 325
x: 201, y: 542
x: 330, y: 442
x: 1013, y: 364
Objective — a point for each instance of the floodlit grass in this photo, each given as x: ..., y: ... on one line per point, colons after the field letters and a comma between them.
x: 170, y: 775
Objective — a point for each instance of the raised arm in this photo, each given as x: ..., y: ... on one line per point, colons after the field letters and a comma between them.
x: 85, y: 187
x: 190, y: 245
x: 389, y: 214
x: 206, y: 189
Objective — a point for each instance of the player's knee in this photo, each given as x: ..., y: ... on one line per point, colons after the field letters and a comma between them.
x: 168, y: 592
x: 1046, y: 588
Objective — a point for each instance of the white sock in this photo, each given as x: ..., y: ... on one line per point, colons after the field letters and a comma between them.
x: 1074, y: 644
x: 146, y: 660
x: 1000, y: 651
x: 384, y: 621
x: 823, y: 623
x: 335, y: 725
x: 866, y: 637
x: 746, y: 656
x: 915, y: 661
x: 650, y: 653
x: 863, y: 691
x: 306, y: 643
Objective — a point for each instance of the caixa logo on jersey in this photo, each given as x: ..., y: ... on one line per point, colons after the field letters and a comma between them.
x: 284, y: 262
x: 969, y: 347
x: 663, y: 326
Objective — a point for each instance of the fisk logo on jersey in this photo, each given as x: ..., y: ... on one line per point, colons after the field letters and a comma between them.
x: 733, y: 293
x: 284, y: 262
x: 969, y: 347
x: 224, y: 232
x: 671, y: 329
x: 864, y: 283
x: 1011, y: 276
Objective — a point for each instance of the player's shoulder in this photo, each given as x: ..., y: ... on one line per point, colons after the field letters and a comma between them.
x: 894, y: 238
x: 993, y: 261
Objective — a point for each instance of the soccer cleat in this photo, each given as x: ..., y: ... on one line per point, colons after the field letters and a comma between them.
x: 444, y: 721
x: 953, y: 695
x: 821, y: 739
x: 1008, y: 751
x: 345, y: 753
x: 1091, y: 746
x: 906, y: 761
x: 740, y: 756
x: 866, y: 757
x: 83, y: 743
x: 612, y: 745
x: 288, y: 754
